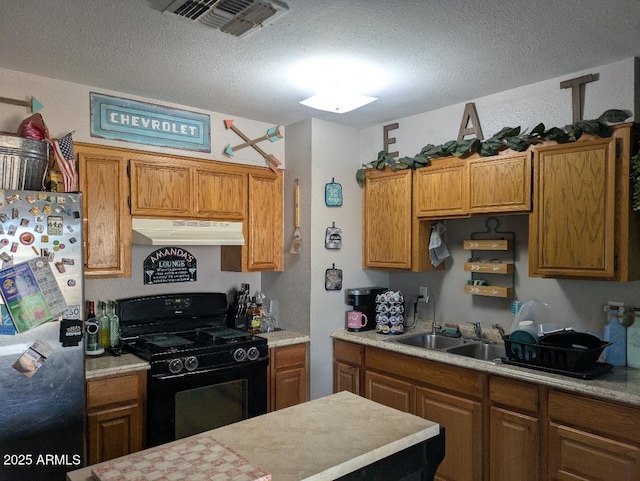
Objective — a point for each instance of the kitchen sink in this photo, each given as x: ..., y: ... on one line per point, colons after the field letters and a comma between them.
x: 480, y: 351
x: 431, y: 341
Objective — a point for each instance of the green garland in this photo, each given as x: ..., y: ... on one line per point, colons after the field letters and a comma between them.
x: 507, y: 138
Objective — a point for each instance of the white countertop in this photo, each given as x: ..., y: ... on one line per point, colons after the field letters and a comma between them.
x: 318, y: 440
x: 108, y: 365
x: 621, y: 384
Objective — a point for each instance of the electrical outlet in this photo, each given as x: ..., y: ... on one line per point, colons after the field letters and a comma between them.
x: 424, y: 292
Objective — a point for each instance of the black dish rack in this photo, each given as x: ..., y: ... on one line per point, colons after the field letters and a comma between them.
x: 569, y: 361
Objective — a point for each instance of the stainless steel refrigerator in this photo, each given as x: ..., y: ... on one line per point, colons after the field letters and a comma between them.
x: 42, y: 393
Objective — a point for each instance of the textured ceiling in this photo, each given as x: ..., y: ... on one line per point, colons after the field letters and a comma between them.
x: 437, y: 52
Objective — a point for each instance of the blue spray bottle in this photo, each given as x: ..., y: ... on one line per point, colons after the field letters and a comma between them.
x: 616, y: 334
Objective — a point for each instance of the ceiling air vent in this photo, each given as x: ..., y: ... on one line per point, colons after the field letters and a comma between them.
x: 236, y: 17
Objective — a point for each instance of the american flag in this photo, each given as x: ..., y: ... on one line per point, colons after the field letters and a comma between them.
x: 63, y: 149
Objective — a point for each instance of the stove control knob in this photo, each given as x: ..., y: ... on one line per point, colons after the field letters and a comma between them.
x: 253, y: 353
x: 240, y: 355
x: 175, y: 366
x: 191, y: 363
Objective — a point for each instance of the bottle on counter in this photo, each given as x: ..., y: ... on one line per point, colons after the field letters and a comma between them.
x: 103, y: 326
x: 633, y: 341
x: 249, y: 313
x: 91, y: 329
x: 114, y: 325
x: 616, y: 334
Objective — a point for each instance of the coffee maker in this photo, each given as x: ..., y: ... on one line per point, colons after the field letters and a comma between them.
x: 363, y: 299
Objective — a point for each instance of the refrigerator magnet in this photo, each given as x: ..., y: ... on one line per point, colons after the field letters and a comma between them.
x: 333, y: 237
x: 333, y: 279
x: 333, y: 194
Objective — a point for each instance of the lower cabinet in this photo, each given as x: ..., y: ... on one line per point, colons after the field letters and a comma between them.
x: 389, y: 391
x: 514, y: 430
x: 513, y: 445
x: 115, y: 412
x: 498, y: 428
x: 288, y: 376
x: 592, y: 440
x: 448, y: 395
x: 347, y: 364
x: 462, y: 420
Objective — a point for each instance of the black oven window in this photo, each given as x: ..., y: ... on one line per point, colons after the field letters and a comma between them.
x: 210, y: 407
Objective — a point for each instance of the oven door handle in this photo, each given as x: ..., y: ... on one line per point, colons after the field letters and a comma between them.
x: 202, y: 372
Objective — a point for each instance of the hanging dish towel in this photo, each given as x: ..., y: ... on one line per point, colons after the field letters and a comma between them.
x: 438, y: 251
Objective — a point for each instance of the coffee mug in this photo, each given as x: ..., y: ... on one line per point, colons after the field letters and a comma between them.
x: 356, y: 319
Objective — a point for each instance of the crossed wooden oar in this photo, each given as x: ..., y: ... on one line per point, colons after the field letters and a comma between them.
x: 273, y: 134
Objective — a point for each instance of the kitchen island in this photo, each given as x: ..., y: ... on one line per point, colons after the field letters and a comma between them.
x: 341, y: 435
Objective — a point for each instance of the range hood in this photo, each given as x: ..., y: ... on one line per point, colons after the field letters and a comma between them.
x: 162, y: 232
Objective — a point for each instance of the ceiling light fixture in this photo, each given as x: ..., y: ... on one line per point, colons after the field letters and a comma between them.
x: 339, y: 84
x: 337, y: 102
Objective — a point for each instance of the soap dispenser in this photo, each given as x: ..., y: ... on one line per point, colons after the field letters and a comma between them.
x: 633, y: 341
x: 616, y: 334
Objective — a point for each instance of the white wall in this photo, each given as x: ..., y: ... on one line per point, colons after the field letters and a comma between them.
x: 335, y: 155
x: 578, y: 303
x: 292, y: 288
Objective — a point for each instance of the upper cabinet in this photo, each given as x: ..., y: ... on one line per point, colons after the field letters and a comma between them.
x: 582, y: 225
x: 392, y: 237
x: 440, y: 189
x: 453, y: 187
x: 263, y: 249
x: 500, y: 184
x: 121, y: 183
x: 106, y: 222
x: 399, y: 208
x: 386, y: 226
x: 165, y: 187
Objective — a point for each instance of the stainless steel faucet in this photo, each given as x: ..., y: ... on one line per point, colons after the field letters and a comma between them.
x: 500, y: 330
x: 477, y: 331
x: 434, y: 327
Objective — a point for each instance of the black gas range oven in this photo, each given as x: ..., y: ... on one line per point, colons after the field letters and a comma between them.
x: 203, y: 375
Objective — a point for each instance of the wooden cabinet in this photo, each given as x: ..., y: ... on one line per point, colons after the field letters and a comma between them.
x: 514, y: 430
x: 106, y: 222
x: 498, y: 428
x: 163, y: 186
x: 220, y: 191
x: 500, y: 183
x: 348, y: 359
x: 392, y: 237
x: 582, y: 224
x: 263, y: 249
x: 571, y: 228
x: 462, y: 420
x: 440, y: 189
x: 387, y: 220
x: 454, y: 187
x: 116, y: 413
x: 399, y: 207
x: 390, y: 391
x: 288, y: 376
x: 448, y: 395
x: 592, y: 440
x: 173, y: 187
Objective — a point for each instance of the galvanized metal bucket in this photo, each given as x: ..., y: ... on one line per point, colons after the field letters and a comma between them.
x: 23, y: 163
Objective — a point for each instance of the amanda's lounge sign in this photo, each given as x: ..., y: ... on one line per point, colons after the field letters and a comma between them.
x: 143, y: 123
